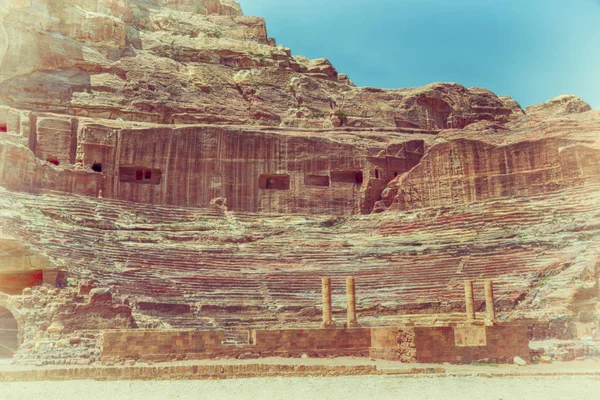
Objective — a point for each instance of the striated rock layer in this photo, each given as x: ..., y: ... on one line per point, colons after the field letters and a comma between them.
x: 199, y: 61
x: 283, y: 170
x: 172, y: 152
x: 205, y: 268
x: 530, y: 156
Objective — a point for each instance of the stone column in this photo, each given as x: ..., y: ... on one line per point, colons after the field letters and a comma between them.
x: 469, y: 301
x: 327, y: 319
x: 351, y: 303
x: 489, y: 300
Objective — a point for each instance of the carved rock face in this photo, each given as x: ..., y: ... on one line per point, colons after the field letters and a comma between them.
x: 465, y: 171
x: 172, y: 150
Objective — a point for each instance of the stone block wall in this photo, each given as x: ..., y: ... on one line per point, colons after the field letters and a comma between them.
x: 164, y: 345
x: 435, y: 344
x: 505, y: 342
x: 393, y: 343
x: 161, y: 345
x: 313, y: 342
x: 404, y: 343
x: 502, y: 344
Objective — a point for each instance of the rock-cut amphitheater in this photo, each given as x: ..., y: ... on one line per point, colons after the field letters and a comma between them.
x: 174, y: 185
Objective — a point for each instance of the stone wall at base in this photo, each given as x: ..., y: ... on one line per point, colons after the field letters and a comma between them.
x: 313, y: 342
x: 502, y: 344
x: 394, y: 343
x: 499, y: 343
x: 161, y: 345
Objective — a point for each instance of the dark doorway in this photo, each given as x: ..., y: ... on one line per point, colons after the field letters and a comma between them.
x: 274, y: 182
x: 347, y: 176
x: 139, y: 174
x: 97, y: 167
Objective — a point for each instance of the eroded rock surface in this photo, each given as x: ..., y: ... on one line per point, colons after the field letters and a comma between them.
x: 198, y: 62
x: 174, y: 153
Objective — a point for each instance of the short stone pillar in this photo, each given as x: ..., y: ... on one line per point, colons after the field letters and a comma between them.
x: 489, y: 300
x: 327, y: 318
x: 351, y: 303
x: 469, y: 301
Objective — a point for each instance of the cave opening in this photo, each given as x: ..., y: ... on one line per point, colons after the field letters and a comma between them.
x: 347, y: 176
x: 274, y: 182
x: 97, y: 167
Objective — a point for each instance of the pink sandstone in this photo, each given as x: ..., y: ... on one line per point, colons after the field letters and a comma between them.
x: 166, y: 165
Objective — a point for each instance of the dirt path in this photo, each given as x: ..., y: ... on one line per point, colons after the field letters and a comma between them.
x: 364, y: 387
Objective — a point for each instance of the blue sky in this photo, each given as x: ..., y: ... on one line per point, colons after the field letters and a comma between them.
x: 531, y: 50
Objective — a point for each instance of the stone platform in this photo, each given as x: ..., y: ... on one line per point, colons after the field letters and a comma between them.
x: 452, y: 344
x: 288, y: 367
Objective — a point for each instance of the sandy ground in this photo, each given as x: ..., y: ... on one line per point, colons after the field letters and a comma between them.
x: 363, y: 387
x: 466, y: 386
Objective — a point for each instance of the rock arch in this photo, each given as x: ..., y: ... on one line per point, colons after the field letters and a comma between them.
x: 7, y: 302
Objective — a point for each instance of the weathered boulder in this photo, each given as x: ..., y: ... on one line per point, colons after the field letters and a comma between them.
x: 100, y: 296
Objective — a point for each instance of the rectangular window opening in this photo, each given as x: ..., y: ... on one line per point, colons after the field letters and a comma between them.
x: 347, y: 176
x: 274, y: 182
x: 140, y: 174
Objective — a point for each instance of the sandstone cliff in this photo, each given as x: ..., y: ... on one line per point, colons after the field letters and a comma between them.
x: 170, y: 150
x: 534, y: 154
x: 196, y: 61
